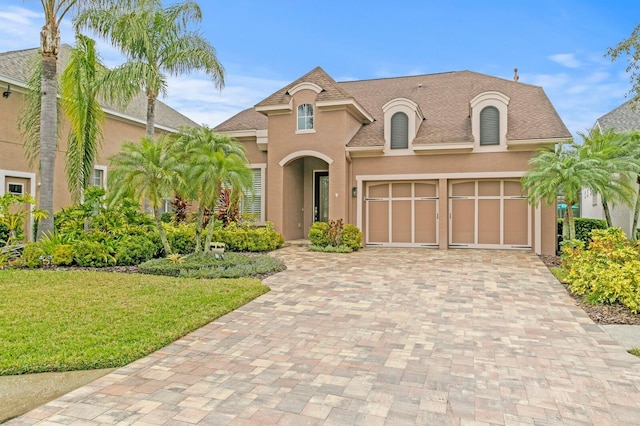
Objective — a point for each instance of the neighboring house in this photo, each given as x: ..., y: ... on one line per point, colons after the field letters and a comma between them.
x: 420, y: 161
x: 621, y: 119
x: 128, y: 124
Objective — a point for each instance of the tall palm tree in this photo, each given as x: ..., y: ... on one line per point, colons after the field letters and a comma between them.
x: 149, y: 172
x: 565, y: 171
x: 207, y: 159
x: 47, y: 128
x: 612, y: 149
x: 54, y: 12
x: 158, y: 42
x: 80, y: 86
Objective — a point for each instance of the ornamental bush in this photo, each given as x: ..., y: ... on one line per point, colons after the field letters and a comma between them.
x: 335, y: 234
x: 248, y: 238
x: 93, y: 254
x: 211, y: 265
x: 319, y: 234
x: 607, y: 271
x: 134, y: 249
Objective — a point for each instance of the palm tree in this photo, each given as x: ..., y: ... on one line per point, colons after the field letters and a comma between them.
x: 47, y: 128
x: 149, y: 172
x: 612, y: 149
x: 80, y: 85
x: 157, y: 42
x: 564, y: 171
x: 54, y: 12
x: 208, y: 161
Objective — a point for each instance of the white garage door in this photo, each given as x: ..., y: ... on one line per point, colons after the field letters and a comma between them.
x: 488, y: 214
x: 402, y: 214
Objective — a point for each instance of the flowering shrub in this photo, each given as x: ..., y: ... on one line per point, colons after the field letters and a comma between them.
x: 608, y: 271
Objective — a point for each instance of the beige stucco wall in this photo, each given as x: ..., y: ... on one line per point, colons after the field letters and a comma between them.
x: 12, y: 157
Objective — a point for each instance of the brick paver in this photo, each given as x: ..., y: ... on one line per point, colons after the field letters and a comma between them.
x: 382, y: 336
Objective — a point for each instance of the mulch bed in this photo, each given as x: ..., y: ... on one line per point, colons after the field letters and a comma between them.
x: 600, y: 314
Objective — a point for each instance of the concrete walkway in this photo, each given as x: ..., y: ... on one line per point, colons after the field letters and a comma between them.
x: 383, y: 336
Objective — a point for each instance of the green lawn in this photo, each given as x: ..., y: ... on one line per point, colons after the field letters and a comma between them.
x: 74, y: 320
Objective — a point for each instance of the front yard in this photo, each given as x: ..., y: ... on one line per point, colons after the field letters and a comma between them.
x: 73, y: 320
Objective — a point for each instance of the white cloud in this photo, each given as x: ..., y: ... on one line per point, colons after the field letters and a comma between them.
x: 566, y: 60
x: 196, y: 96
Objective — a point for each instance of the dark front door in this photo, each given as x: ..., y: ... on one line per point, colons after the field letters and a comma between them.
x: 321, y: 197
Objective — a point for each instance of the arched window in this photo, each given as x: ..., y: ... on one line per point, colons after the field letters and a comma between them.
x: 305, y: 117
x: 399, y: 131
x: 489, y: 126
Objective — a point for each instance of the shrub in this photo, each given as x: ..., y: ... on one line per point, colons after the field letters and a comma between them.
x: 319, y: 234
x: 63, y: 255
x: 135, y: 249
x: 4, y: 233
x: 351, y: 236
x: 584, y: 226
x: 166, y: 217
x: 182, y: 237
x: 210, y: 265
x: 335, y: 234
x: 247, y: 238
x: 93, y: 254
x: 607, y: 272
x: 31, y: 255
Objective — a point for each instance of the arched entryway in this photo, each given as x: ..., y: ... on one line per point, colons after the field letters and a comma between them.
x: 306, y: 192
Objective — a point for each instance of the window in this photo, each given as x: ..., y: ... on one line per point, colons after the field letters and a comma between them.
x: 399, y: 131
x: 252, y: 203
x: 489, y: 126
x: 305, y: 117
x: 594, y: 200
x: 15, y: 188
x: 98, y: 177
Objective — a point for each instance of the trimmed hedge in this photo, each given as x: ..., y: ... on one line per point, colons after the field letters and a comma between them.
x: 252, y: 239
x: 584, y: 226
x: 210, y: 265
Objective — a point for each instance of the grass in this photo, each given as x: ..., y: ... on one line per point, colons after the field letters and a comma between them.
x: 78, y: 320
x: 559, y: 273
x: 635, y: 351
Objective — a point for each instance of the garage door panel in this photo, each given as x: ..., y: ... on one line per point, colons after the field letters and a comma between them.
x: 463, y: 221
x: 516, y: 224
x: 502, y: 217
x: 402, y: 213
x: 401, y: 221
x: 426, y: 222
x: 426, y: 190
x: 399, y: 190
x: 378, y: 221
x: 488, y: 221
x: 379, y: 190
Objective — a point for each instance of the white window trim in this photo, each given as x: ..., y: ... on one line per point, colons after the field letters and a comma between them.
x: 4, y: 174
x: 477, y: 104
x: 263, y: 190
x: 415, y: 119
x: 104, y: 174
x: 313, y: 116
x: 21, y: 187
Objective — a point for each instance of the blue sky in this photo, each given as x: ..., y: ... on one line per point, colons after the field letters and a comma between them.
x: 264, y: 45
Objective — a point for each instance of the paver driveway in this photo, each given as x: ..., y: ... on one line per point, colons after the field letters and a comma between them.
x: 383, y: 336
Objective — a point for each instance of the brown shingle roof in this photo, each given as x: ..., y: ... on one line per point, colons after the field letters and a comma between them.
x: 17, y: 66
x: 443, y: 98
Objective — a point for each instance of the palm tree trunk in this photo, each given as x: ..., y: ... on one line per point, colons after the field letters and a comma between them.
x: 570, y: 222
x: 163, y: 235
x: 151, y: 114
x: 607, y: 213
x: 199, y: 229
x: 48, y: 139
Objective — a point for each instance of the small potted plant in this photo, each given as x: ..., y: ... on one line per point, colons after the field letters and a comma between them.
x: 217, y: 247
